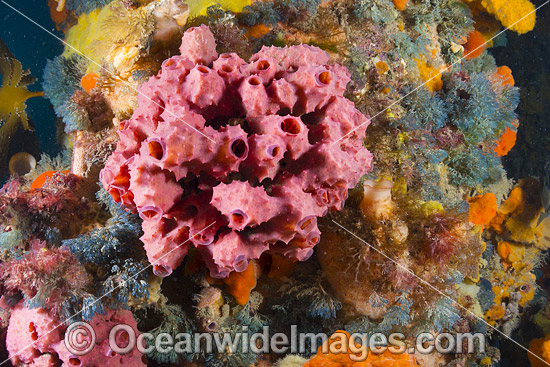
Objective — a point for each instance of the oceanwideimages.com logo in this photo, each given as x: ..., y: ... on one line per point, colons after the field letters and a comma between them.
x: 80, y: 339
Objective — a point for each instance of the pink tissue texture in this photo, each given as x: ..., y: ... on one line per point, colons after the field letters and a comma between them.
x: 37, y: 339
x: 237, y: 158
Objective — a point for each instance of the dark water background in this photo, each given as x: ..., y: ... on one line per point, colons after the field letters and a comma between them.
x: 528, y: 56
x: 33, y: 46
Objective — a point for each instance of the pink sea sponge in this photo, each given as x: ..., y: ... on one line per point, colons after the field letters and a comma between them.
x: 199, y: 46
x: 290, y: 58
x: 242, y: 210
x: 102, y: 354
x: 34, y: 337
x: 31, y: 333
x: 237, y: 158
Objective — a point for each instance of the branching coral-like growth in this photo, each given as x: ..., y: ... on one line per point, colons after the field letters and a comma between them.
x: 264, y: 12
x: 480, y: 108
x: 380, y: 11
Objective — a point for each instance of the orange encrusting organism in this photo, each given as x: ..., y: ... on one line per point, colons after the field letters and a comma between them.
x: 541, y: 348
x: 520, y: 212
x: 41, y: 180
x: 239, y: 285
x: 257, y: 31
x: 89, y: 81
x: 504, y: 249
x: 430, y: 75
x: 382, y: 67
x: 400, y: 4
x: 506, y: 208
x: 506, y: 142
x: 504, y: 73
x: 483, y: 208
x: 475, y: 45
x: 518, y: 15
x: 353, y: 358
x: 508, y: 138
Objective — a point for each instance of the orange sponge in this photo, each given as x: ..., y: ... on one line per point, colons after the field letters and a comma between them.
x: 239, y: 285
x: 430, y: 75
x: 475, y: 45
x: 400, y: 4
x: 540, y: 347
x: 505, y: 74
x: 483, y: 208
x: 506, y: 142
x: 89, y: 81
x: 41, y: 180
x: 347, y: 359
